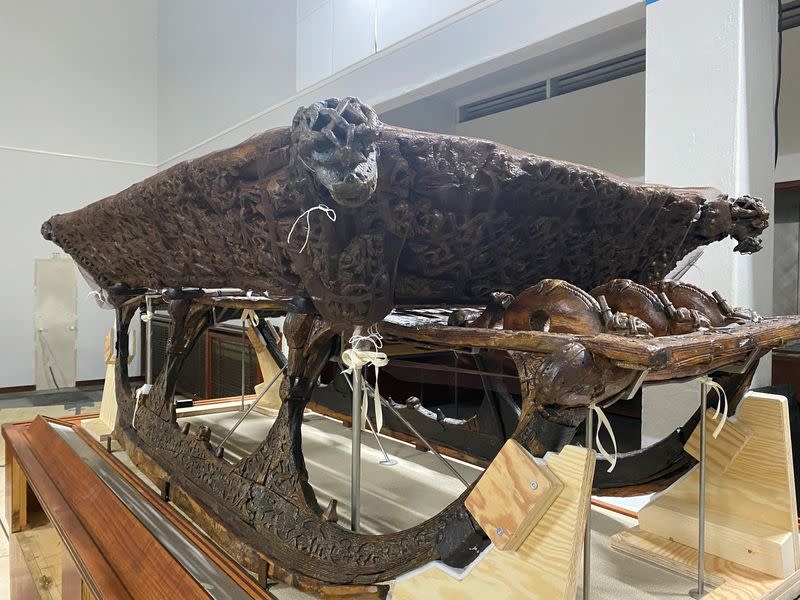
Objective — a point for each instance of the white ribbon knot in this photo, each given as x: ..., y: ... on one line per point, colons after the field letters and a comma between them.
x: 355, y: 358
x: 329, y: 212
x: 602, y: 421
x: 722, y: 398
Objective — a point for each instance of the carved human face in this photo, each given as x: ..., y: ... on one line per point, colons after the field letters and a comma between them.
x: 335, y: 142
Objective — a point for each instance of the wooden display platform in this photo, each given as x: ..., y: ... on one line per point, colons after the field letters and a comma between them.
x: 751, y: 527
x: 547, y: 560
x: 136, y: 548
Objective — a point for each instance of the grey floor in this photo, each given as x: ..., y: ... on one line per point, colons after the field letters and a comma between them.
x: 392, y: 497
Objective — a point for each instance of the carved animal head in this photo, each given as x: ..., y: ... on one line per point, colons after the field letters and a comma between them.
x: 741, y: 218
x: 335, y: 142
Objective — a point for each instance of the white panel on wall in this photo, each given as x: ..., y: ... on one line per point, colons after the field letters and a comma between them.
x: 40, y: 186
x: 79, y: 77
x: 218, y: 64
x: 444, y: 8
x: 789, y: 115
x: 306, y: 7
x: 314, y: 43
x: 353, y: 31
x: 55, y: 322
x: 398, y: 19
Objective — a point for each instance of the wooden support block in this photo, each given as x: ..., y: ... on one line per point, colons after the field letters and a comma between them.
x: 16, y: 493
x: 722, y: 450
x: 268, y: 367
x: 527, y: 489
x: 546, y: 565
x: 729, y: 580
x: 751, y: 510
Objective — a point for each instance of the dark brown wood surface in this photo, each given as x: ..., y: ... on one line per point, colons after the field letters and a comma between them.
x: 420, y: 218
x: 118, y: 557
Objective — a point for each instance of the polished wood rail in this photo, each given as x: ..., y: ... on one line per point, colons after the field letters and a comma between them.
x: 116, y: 553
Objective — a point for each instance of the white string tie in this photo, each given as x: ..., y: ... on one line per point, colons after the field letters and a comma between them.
x: 722, y: 398
x: 147, y: 317
x: 354, y: 358
x: 329, y: 212
x: 249, y: 313
x: 602, y: 421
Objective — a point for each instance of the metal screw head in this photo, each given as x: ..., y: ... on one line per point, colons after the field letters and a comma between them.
x: 499, y: 531
x: 534, y: 485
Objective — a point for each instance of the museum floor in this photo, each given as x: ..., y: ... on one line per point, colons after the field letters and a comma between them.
x: 393, y: 497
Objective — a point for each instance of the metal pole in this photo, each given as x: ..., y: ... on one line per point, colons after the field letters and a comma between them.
x: 355, y: 453
x: 413, y: 430
x: 148, y: 327
x: 587, y: 537
x: 387, y: 461
x: 700, y: 591
x: 243, y: 348
x: 250, y: 408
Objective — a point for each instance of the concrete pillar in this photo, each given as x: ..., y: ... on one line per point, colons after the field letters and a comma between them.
x: 710, y: 93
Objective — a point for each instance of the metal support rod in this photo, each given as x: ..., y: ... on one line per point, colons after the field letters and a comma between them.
x: 244, y: 324
x: 250, y: 408
x: 700, y: 591
x: 411, y: 428
x: 387, y: 460
x: 587, y: 537
x: 148, y: 327
x: 355, y: 454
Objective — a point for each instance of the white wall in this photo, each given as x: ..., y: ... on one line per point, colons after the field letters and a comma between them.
x: 219, y: 63
x: 601, y: 126
x: 451, y: 51
x: 788, y: 168
x: 334, y: 34
x: 76, y: 79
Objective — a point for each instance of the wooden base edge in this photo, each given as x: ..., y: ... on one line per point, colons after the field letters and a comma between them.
x: 729, y: 580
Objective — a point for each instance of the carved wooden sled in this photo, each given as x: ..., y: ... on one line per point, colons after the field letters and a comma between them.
x: 427, y: 229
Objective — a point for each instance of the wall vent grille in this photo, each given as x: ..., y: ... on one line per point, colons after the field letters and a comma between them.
x: 790, y: 15
x: 608, y: 70
x: 616, y: 68
x: 495, y: 104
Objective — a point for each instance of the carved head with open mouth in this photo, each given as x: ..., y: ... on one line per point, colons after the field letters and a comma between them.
x: 335, y: 141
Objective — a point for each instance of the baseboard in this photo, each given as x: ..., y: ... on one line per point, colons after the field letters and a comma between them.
x: 17, y: 389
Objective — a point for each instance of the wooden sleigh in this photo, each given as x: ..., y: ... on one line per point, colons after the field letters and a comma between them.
x: 445, y: 244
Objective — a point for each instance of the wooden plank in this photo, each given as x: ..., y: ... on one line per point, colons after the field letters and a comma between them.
x: 684, y: 355
x: 96, y: 570
x: 16, y: 493
x: 527, y: 489
x: 201, y: 541
x: 269, y: 368
x: 758, y: 546
x: 546, y: 565
x: 731, y: 581
x: 754, y: 496
x: 723, y: 450
x: 89, y: 518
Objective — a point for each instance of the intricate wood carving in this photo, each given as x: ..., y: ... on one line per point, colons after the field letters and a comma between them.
x: 420, y: 219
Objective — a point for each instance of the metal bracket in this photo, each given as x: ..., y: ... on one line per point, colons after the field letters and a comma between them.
x: 745, y: 366
x: 629, y: 392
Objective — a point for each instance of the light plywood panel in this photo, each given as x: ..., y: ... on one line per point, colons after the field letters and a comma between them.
x: 269, y: 368
x: 546, y: 565
x: 731, y: 581
x: 755, y: 496
x: 527, y: 489
x: 721, y: 452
